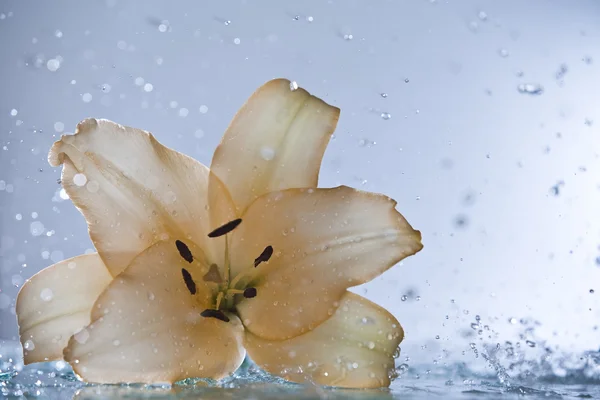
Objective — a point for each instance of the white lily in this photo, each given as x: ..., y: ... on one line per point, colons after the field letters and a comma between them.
x: 196, y: 266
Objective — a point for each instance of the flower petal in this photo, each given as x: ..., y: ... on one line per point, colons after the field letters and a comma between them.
x: 354, y: 348
x: 132, y: 191
x: 276, y: 141
x: 324, y: 241
x: 56, y: 302
x: 146, y: 326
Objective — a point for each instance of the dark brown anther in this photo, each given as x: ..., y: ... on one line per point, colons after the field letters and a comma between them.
x: 250, y: 292
x: 225, y: 229
x: 264, y: 256
x: 184, y: 251
x: 218, y: 314
x: 189, y: 282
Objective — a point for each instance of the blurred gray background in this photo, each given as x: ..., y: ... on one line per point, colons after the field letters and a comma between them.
x: 480, y: 117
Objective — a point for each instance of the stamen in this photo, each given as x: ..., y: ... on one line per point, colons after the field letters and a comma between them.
x: 250, y: 292
x: 184, y: 251
x: 189, y: 282
x: 219, y: 299
x: 225, y: 229
x: 213, y: 274
x: 264, y: 256
x: 218, y: 314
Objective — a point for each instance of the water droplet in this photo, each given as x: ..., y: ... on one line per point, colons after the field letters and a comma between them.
x: 591, y: 291
x: 148, y: 87
x: 29, y: 345
x: 503, y: 53
x: 237, y: 41
x: 406, y: 80
x: 512, y: 320
x: 371, y: 345
x: 227, y: 23
x: 482, y: 15
x: 46, y: 294
x: 79, y: 179
x: 59, y: 127
x: 163, y: 27
x: 86, y: 97
x: 267, y: 153
x: 530, y: 343
x: 58, y: 33
x: 598, y: 261
x: 348, y: 37
x: 18, y: 217
x: 116, y: 342
x: 203, y: 109
x: 13, y: 112
x: 53, y: 64
x: 183, y: 112
x: 310, y: 18
x: 404, y: 297
x: 472, y: 345
x: 437, y: 337
x: 293, y: 86
x: 296, y: 18
x: 36, y: 228
x: 418, y: 298
x: 531, y: 89
x: 384, y: 95
x: 386, y: 115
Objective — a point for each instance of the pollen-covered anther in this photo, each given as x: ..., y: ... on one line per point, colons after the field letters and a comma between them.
x: 225, y: 229
x: 212, y: 313
x: 264, y: 256
x: 184, y: 251
x: 189, y: 281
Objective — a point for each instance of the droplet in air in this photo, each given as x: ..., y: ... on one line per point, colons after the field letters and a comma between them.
x: 86, y: 97
x: 404, y: 297
x: 36, y: 228
x: 531, y: 89
x: 53, y: 64
x: 503, y: 53
x: 384, y: 95
x: 148, y: 87
x: 530, y: 343
x: 348, y: 37
x: 482, y: 15
x: 236, y: 41
x: 227, y: 23
x: 28, y: 345
x: 310, y: 18
x: 59, y: 127
x: 406, y: 80
x: 386, y: 115
x: 13, y: 112
x: 203, y: 109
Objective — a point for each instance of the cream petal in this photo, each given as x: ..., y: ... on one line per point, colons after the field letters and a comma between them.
x: 354, y: 348
x: 324, y: 241
x: 56, y: 302
x: 133, y: 191
x: 276, y: 141
x: 146, y: 326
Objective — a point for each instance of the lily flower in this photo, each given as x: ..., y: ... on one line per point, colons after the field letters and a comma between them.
x: 197, y: 266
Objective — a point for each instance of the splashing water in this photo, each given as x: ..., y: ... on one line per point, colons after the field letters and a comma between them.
x: 528, y: 367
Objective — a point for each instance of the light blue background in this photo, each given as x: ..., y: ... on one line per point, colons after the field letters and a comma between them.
x: 462, y: 141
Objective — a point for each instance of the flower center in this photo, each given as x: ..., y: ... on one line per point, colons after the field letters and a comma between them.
x: 228, y: 289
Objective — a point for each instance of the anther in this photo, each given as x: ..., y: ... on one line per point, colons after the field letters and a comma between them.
x: 184, y: 251
x: 218, y: 314
x: 264, y: 256
x: 225, y: 229
x: 250, y: 292
x: 189, y: 282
